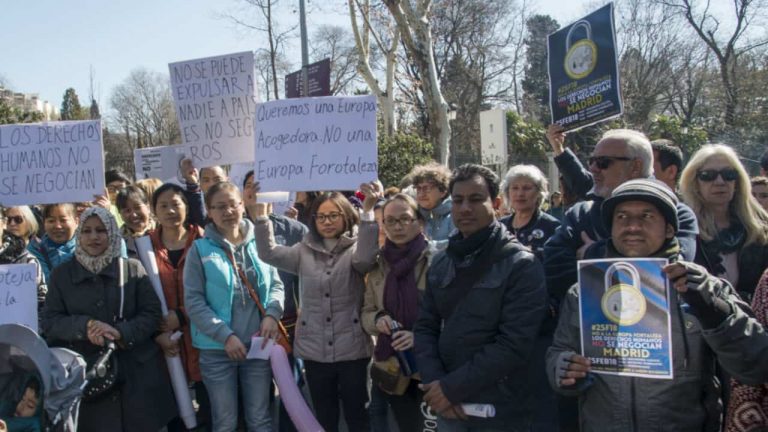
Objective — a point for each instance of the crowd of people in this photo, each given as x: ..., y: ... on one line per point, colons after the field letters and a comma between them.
x: 414, y: 303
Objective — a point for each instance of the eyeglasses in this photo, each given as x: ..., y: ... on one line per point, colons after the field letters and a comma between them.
x: 403, y: 221
x: 333, y: 217
x: 425, y: 188
x: 604, y: 162
x: 225, y: 207
x: 16, y: 220
x: 728, y: 174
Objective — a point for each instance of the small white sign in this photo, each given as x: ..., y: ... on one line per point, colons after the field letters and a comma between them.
x: 493, y: 137
x: 18, y: 294
x: 325, y: 143
x: 163, y: 163
x: 45, y: 163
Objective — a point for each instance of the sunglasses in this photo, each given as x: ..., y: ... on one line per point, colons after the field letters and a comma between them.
x: 18, y: 220
x: 604, y: 162
x: 728, y: 174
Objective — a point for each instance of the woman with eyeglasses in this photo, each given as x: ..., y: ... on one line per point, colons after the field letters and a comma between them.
x: 393, y: 292
x: 21, y: 222
x: 133, y: 204
x: 13, y: 251
x: 331, y: 262
x: 430, y: 182
x: 226, y: 287
x: 733, y: 239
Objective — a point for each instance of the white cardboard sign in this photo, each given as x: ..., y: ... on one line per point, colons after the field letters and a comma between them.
x: 325, y: 143
x: 53, y: 162
x: 215, y: 102
x: 18, y: 294
x: 163, y: 163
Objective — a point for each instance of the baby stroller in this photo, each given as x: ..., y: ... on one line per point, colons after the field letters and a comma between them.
x: 60, y: 372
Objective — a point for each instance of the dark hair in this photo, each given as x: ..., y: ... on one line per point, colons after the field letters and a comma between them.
x: 130, y: 192
x: 34, y: 385
x: 669, y: 154
x: 218, y: 187
x: 48, y: 209
x: 764, y: 161
x: 351, y: 218
x: 470, y: 171
x: 248, y: 175
x: 759, y: 181
x: 115, y: 175
x: 408, y: 200
x: 169, y: 187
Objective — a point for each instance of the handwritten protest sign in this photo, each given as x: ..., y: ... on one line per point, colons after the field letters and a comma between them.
x: 44, y: 163
x: 625, y: 317
x: 326, y: 143
x: 215, y: 103
x: 583, y: 71
x: 18, y: 294
x: 160, y: 162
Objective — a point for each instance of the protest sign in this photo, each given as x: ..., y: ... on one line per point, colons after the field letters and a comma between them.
x: 326, y: 143
x: 44, y: 163
x: 160, y: 162
x: 237, y: 173
x: 583, y: 71
x: 215, y: 102
x: 625, y: 317
x: 18, y: 294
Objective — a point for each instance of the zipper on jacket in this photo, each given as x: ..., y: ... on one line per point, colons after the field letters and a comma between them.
x: 633, y: 398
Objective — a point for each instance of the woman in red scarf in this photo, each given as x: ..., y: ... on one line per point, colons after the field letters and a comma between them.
x: 393, y: 292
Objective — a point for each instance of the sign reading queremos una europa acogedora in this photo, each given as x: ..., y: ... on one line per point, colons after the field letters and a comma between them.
x: 583, y: 71
x: 624, y: 307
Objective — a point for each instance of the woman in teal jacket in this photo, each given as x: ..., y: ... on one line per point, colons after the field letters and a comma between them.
x: 223, y: 312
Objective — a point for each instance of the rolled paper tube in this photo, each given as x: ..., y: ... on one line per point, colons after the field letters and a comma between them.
x: 479, y: 410
x: 294, y: 402
x: 175, y: 369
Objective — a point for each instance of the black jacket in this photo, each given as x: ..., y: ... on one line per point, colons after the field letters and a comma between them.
x: 143, y: 399
x: 480, y: 351
x: 535, y: 233
x: 752, y: 260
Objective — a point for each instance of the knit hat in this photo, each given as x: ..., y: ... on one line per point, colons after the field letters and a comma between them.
x: 648, y: 190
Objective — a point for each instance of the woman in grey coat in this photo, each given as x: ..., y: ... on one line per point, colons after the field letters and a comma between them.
x: 331, y: 263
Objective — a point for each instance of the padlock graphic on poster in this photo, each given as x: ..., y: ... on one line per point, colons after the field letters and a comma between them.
x: 581, y: 56
x: 623, y: 301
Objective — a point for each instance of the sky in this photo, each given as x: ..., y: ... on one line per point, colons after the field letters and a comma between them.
x: 50, y: 45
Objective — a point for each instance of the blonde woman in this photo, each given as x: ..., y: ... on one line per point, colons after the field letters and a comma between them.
x: 733, y: 238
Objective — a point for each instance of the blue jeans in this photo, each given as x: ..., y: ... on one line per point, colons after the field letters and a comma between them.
x: 221, y: 376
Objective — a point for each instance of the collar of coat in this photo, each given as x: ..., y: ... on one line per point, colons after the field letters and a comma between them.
x: 81, y: 274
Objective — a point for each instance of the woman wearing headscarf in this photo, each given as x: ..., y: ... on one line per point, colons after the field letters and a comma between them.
x: 133, y: 205
x: 99, y: 297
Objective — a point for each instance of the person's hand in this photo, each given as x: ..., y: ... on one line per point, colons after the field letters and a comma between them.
x: 373, y: 192
x: 402, y: 340
x: 99, y: 331
x: 189, y: 172
x: 575, y: 368
x: 234, y: 348
x: 556, y: 138
x: 587, y: 243
x: 384, y: 324
x: 171, y: 322
x: 102, y: 200
x: 3, y: 426
x: 269, y: 330
x: 435, y: 398
x: 259, y: 210
x: 169, y: 346
x: 93, y: 336
x: 455, y: 412
x: 292, y: 213
x: 685, y: 276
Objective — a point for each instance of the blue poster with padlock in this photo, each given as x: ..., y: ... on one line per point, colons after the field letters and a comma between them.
x: 583, y: 71
x: 625, y: 317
